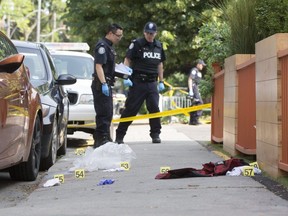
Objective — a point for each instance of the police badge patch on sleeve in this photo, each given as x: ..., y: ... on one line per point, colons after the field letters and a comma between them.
x: 101, y: 50
x: 131, y: 46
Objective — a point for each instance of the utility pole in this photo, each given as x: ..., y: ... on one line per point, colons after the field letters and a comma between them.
x: 8, y: 25
x: 10, y: 11
x: 38, y: 22
x: 54, y: 26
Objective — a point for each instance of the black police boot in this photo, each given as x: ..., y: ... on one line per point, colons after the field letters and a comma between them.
x: 110, y: 139
x: 96, y: 140
x: 96, y: 143
x: 100, y: 140
x: 119, y: 139
x: 193, y: 120
x: 197, y: 121
x: 155, y: 138
x: 104, y: 139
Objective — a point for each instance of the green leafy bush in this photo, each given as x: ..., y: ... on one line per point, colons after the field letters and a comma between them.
x: 271, y: 17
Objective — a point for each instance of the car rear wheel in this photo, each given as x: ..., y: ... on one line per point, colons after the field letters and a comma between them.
x: 28, y: 171
x: 46, y: 163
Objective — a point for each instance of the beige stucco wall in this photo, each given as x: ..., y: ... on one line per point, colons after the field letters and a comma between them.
x: 231, y: 101
x: 268, y: 103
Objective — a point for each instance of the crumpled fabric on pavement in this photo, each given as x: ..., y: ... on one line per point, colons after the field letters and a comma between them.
x: 208, y: 169
x: 108, y: 156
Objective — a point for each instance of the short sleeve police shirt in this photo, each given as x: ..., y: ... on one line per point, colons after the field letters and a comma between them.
x: 195, y: 75
x: 100, y: 54
x: 145, y: 56
x: 132, y: 50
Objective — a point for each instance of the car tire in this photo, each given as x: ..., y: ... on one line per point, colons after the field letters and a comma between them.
x: 28, y: 171
x: 62, y: 150
x: 49, y: 161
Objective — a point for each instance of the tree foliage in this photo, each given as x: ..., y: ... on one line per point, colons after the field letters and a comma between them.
x: 212, y: 44
x: 21, y: 17
x: 178, y: 23
x: 271, y: 17
x: 240, y: 15
x: 188, y: 29
x: 234, y: 28
x: 211, y: 39
x: 250, y: 21
x: 12, y: 13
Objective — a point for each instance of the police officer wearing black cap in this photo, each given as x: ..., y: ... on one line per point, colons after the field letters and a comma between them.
x: 193, y: 86
x: 145, y: 56
x: 104, y: 61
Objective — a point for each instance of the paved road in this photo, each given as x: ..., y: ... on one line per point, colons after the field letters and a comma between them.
x: 137, y: 192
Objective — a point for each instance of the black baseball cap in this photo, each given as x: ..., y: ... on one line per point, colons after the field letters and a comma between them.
x: 150, y: 27
x: 200, y: 61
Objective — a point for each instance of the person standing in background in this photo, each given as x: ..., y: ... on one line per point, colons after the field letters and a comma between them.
x: 193, y: 87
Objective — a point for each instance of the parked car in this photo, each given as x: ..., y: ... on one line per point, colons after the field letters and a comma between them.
x: 81, y: 65
x: 54, y: 99
x: 20, y: 116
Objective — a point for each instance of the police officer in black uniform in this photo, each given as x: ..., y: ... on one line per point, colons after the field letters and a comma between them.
x: 103, y: 80
x: 193, y: 86
x: 145, y: 56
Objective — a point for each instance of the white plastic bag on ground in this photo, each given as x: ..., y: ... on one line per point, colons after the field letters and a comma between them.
x: 52, y: 182
x: 237, y: 171
x: 108, y: 156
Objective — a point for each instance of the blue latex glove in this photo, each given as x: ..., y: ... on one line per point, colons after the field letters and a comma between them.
x: 105, y: 89
x: 127, y: 82
x: 106, y: 181
x: 161, y: 86
x: 191, y: 93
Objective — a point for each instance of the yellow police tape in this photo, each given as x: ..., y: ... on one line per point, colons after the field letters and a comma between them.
x: 164, y: 113
x: 172, y: 89
x: 154, y: 115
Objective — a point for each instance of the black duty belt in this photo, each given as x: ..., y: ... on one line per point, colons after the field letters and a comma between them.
x: 144, y: 77
x: 109, y: 81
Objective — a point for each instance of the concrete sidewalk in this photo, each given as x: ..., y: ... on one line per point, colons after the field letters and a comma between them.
x: 137, y: 192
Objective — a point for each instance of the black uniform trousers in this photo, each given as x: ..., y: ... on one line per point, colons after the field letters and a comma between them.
x: 103, y: 106
x: 194, y: 116
x: 138, y: 93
